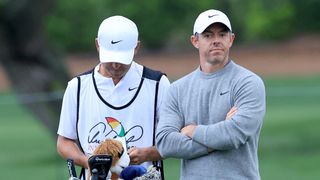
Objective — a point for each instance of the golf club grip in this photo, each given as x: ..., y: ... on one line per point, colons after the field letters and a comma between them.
x: 71, y: 168
x: 94, y: 175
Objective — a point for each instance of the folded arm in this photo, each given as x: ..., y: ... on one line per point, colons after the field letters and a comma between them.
x: 243, y: 126
x: 170, y: 142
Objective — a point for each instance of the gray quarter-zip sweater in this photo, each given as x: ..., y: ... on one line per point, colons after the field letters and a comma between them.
x: 205, y: 99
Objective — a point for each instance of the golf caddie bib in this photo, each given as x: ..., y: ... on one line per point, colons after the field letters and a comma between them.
x: 134, y: 120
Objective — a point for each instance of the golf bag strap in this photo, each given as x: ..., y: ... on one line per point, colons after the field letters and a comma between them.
x: 154, y: 128
x: 82, y: 173
x: 155, y: 75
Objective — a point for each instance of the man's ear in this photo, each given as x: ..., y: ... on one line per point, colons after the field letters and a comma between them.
x: 97, y: 44
x: 194, y: 41
x: 136, y: 49
x: 232, y: 37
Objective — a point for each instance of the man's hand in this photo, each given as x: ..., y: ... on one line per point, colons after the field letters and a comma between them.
x: 188, y: 130
x: 137, y: 155
x: 231, y: 113
x: 141, y: 155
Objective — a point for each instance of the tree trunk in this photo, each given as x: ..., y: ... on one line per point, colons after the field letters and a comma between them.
x: 34, y: 71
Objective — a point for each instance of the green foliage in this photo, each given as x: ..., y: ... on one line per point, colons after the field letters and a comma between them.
x: 307, y: 15
x: 73, y: 24
x: 262, y: 20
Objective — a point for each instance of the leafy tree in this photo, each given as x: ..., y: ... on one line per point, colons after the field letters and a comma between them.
x: 307, y: 16
x: 73, y: 24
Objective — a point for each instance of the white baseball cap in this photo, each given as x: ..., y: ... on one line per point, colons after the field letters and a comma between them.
x: 117, y: 39
x: 206, y: 18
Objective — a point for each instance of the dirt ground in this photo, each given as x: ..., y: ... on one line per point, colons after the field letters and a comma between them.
x: 298, y: 56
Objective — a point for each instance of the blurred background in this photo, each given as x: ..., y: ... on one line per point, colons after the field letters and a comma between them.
x: 44, y: 43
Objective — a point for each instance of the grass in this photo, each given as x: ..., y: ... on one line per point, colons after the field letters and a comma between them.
x: 27, y: 150
x: 289, y: 142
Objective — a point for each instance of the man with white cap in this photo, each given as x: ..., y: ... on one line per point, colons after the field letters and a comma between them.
x: 118, y: 98
x: 212, y: 117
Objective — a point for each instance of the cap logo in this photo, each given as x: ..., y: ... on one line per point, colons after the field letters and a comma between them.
x: 210, y: 16
x: 115, y: 42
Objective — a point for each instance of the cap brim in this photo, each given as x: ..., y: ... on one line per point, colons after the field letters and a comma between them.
x: 200, y: 30
x: 123, y: 57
